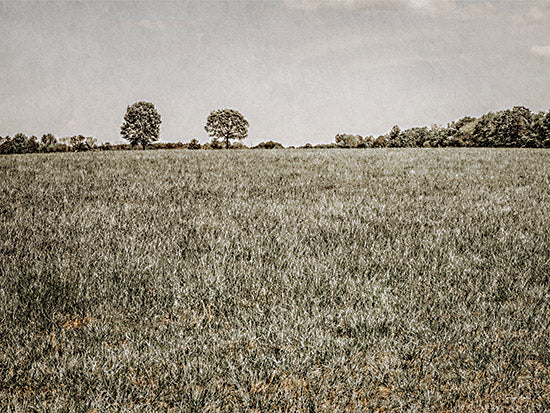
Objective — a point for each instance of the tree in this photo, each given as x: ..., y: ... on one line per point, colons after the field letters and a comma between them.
x: 213, y: 144
x: 393, y: 137
x: 545, y: 134
x: 380, y: 142
x: 346, y: 140
x: 78, y: 143
x: 5, y: 145
x: 520, y: 128
x: 141, y: 124
x: 194, y: 144
x: 48, y: 139
x: 20, y: 143
x: 269, y: 145
x: 483, y: 132
x: 91, y: 142
x: 441, y: 136
x: 32, y: 144
x: 226, y: 124
x: 414, y: 137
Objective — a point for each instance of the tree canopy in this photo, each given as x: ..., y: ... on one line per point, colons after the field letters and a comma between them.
x: 226, y: 124
x: 141, y: 124
x: 517, y: 127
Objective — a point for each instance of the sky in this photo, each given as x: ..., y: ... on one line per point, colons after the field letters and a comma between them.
x: 298, y: 70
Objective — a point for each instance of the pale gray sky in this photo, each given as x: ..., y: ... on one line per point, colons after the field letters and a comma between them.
x: 299, y: 70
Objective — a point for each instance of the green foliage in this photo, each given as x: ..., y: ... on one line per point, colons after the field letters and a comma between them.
x: 141, y: 124
x: 226, y: 124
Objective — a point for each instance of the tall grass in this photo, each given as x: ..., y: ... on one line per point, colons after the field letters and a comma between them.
x: 275, y: 280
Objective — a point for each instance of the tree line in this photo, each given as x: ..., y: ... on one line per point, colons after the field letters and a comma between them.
x: 517, y: 127
x: 21, y: 143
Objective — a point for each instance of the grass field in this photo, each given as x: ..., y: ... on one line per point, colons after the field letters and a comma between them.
x: 285, y: 280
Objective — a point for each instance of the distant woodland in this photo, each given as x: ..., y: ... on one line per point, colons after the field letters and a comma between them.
x: 518, y: 127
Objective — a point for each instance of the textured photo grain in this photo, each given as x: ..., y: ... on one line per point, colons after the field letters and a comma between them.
x: 275, y: 206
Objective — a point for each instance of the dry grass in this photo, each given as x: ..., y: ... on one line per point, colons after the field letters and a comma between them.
x: 288, y: 280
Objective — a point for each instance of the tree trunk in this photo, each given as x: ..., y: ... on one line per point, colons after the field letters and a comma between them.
x: 227, y: 142
x: 143, y: 144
